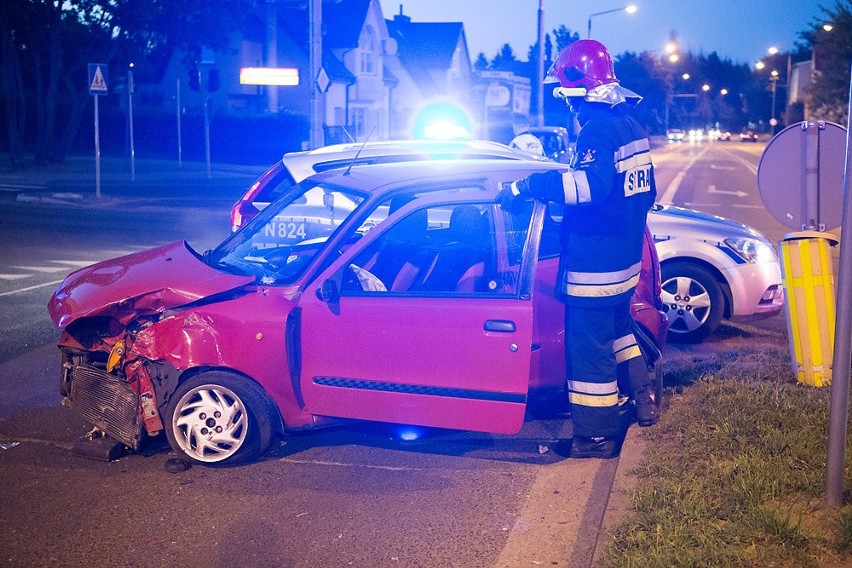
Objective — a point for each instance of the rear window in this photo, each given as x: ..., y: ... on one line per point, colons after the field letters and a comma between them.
x: 275, y: 188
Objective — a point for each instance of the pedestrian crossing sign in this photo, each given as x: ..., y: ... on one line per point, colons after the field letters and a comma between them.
x: 98, y: 76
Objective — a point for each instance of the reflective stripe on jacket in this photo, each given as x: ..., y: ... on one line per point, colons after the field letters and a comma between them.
x: 607, y: 194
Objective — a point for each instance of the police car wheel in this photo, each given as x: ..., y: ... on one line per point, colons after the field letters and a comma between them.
x: 693, y: 301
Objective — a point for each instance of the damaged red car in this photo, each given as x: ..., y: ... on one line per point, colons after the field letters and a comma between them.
x: 396, y: 293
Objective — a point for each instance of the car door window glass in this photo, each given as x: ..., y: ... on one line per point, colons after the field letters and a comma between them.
x: 460, y: 248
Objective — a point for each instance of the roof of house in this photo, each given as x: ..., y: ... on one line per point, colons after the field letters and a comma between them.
x: 343, y: 22
x: 426, y: 44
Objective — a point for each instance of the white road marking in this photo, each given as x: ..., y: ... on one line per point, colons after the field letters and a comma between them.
x: 712, y: 189
x: 77, y: 263
x: 14, y: 276
x: 745, y: 162
x: 747, y: 206
x: 668, y: 196
x: 42, y: 269
x: 28, y: 288
x: 700, y: 204
x: 726, y: 168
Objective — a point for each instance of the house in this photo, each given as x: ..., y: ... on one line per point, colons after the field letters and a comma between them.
x: 376, y: 77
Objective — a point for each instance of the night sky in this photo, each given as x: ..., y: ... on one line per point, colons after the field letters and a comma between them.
x: 740, y: 30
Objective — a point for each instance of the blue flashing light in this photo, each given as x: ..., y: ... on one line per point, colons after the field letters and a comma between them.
x: 442, y: 121
x: 409, y: 435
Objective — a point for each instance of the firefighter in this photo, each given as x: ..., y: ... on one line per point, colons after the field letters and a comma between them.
x: 607, y: 194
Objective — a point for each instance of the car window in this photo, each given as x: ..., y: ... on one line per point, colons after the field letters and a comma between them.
x: 279, y: 244
x: 274, y: 188
x: 459, y: 248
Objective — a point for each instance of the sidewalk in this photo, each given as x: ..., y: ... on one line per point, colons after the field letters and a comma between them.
x: 74, y: 182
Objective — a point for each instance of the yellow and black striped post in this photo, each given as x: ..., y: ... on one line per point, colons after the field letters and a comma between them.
x: 808, y: 280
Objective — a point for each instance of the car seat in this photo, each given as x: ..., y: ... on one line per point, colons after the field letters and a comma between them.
x: 461, y: 259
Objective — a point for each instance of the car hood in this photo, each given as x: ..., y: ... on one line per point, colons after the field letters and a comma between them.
x: 142, y: 283
x: 668, y: 221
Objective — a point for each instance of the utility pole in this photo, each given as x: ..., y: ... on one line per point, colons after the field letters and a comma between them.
x: 540, y: 73
x: 315, y: 41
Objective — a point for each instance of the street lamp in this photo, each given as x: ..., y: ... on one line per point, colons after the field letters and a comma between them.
x: 629, y: 9
x: 773, y: 77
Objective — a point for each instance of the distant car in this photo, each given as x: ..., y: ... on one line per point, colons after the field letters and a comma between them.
x: 296, y: 166
x: 713, y: 268
x: 407, y: 296
x: 748, y: 136
x: 724, y: 135
x: 556, y: 142
x: 675, y: 135
x: 733, y: 286
x: 696, y: 134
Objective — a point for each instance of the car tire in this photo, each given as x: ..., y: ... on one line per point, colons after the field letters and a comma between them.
x: 693, y: 300
x: 219, y: 418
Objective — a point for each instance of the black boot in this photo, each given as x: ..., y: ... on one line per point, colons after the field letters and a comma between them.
x: 647, y: 412
x: 602, y: 448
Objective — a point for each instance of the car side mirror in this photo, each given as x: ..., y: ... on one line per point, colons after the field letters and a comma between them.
x: 328, y: 292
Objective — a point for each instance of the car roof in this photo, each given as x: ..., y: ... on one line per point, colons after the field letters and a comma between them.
x: 303, y: 164
x: 378, y: 178
x: 552, y: 129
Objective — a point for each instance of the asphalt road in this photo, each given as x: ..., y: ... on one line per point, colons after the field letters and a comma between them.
x: 350, y: 496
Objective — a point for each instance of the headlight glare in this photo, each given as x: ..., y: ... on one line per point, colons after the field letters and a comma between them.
x: 752, y: 250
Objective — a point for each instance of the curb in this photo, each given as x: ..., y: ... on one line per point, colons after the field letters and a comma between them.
x: 623, y: 486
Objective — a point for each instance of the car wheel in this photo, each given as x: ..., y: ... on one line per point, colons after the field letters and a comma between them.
x: 218, y: 418
x: 693, y: 301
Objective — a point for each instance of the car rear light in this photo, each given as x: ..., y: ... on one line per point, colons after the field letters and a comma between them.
x: 243, y: 210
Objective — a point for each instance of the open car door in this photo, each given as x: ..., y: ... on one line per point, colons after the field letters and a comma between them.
x: 427, y: 320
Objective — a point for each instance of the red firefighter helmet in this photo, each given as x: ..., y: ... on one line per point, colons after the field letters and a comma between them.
x: 584, y: 65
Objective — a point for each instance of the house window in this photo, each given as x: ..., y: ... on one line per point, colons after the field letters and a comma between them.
x: 367, y: 45
x: 359, y: 122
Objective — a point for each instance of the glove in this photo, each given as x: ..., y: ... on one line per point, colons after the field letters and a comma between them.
x: 512, y: 199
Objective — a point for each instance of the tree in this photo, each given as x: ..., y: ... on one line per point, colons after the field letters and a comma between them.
x: 564, y: 37
x: 481, y: 63
x: 55, y: 39
x: 505, y: 59
x: 832, y: 52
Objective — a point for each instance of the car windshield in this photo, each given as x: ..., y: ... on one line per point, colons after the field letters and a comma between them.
x: 278, y: 245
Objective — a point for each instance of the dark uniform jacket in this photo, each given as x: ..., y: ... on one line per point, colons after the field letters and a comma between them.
x: 607, y: 194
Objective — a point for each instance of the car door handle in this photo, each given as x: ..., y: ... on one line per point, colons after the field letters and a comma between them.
x: 503, y: 326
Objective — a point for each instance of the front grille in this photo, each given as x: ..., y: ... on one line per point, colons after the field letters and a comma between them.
x: 107, y: 403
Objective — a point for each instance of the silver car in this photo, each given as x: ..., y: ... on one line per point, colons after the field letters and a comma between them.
x: 712, y: 268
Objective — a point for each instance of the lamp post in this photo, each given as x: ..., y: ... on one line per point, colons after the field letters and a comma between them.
x: 629, y: 9
x: 540, y: 68
x: 773, y: 78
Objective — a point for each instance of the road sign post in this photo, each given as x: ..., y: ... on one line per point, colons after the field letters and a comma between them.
x: 839, y: 402
x: 98, y: 86
x: 800, y: 181
x: 130, y: 88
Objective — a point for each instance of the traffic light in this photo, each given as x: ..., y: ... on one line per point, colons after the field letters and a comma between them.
x: 213, y: 81
x: 194, y: 77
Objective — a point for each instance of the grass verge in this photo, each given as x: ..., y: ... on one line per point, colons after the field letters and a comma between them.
x: 734, y: 473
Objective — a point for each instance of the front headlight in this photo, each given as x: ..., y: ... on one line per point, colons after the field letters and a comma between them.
x: 752, y: 250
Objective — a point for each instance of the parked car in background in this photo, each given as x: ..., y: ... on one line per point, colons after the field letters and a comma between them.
x: 713, y: 268
x: 749, y: 136
x: 406, y: 294
x: 720, y: 281
x: 555, y: 141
